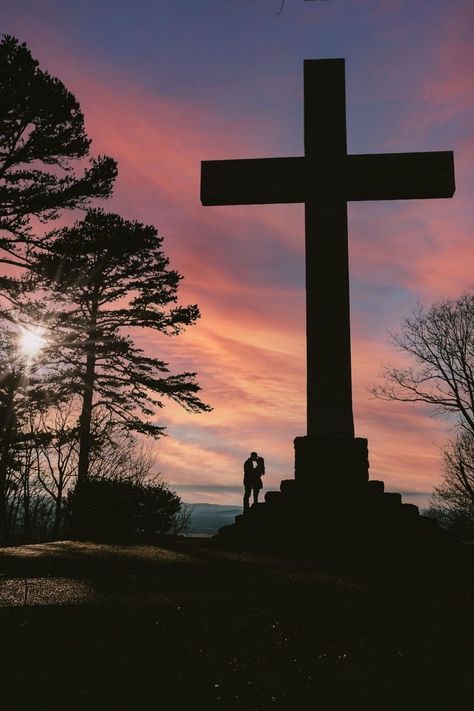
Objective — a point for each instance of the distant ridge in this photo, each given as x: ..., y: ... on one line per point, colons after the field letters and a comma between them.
x: 206, y: 519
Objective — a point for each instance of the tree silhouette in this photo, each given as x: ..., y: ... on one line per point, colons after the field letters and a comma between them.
x: 111, y: 509
x: 20, y: 390
x: 56, y: 451
x: 107, y: 276
x: 440, y: 341
x: 104, y: 277
x: 41, y: 136
x: 453, y: 498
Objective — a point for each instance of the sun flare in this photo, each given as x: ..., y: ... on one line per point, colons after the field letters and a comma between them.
x: 31, y: 341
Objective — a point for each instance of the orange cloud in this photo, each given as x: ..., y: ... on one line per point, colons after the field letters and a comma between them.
x: 249, y: 347
x: 244, y: 266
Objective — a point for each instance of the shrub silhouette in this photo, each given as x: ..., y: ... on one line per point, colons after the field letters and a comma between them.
x: 117, y: 509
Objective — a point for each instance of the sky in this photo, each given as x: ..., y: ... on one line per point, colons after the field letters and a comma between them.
x: 164, y: 84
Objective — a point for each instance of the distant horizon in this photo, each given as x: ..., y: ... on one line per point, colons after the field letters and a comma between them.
x: 206, y: 503
x: 420, y: 499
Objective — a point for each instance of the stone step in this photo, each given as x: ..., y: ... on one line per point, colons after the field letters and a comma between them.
x: 389, y: 518
x: 255, y: 509
x: 375, y: 487
x: 288, y: 486
x: 392, y: 499
x: 252, y: 512
x: 273, y: 497
x: 224, y: 531
x: 410, y: 510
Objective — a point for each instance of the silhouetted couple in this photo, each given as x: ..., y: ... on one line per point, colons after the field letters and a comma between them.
x: 254, y: 469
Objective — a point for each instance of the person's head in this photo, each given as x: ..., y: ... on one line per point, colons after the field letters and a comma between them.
x: 253, y: 455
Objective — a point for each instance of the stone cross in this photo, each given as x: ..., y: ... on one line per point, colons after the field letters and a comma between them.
x: 325, y: 179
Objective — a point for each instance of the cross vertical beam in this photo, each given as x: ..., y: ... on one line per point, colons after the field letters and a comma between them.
x: 328, y: 345
x: 325, y: 179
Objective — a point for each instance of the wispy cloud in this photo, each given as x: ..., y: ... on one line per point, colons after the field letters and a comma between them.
x: 244, y: 266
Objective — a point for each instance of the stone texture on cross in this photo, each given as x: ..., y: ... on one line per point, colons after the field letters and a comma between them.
x: 325, y: 179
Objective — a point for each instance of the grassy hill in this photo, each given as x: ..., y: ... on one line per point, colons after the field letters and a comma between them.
x: 187, y: 625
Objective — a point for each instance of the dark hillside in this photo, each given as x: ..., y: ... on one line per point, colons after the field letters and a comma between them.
x: 187, y: 625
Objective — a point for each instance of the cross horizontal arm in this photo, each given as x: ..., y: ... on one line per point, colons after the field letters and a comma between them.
x: 383, y: 176
x: 254, y: 181
x: 399, y: 176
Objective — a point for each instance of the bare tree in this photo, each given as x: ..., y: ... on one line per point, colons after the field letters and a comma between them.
x: 440, y: 341
x: 20, y: 391
x: 123, y: 459
x: 454, y: 497
x: 25, y: 503
x: 27, y: 465
x: 119, y: 456
x: 182, y: 523
x: 57, y: 456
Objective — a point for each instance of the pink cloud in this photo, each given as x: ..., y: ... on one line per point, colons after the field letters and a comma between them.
x: 249, y: 347
x: 450, y: 88
x: 251, y: 360
x: 425, y: 247
x: 259, y: 405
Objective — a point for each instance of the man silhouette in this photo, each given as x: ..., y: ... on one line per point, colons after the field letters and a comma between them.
x: 252, y: 480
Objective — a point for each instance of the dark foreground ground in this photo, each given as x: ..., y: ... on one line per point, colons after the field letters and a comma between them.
x: 186, y: 625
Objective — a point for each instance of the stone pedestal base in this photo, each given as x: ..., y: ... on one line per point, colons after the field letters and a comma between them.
x: 332, y: 466
x: 332, y: 500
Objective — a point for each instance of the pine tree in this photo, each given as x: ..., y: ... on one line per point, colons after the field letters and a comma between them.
x: 41, y: 137
x: 108, y: 276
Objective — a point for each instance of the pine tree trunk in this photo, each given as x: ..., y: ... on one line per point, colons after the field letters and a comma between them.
x: 88, y: 394
x: 6, y: 437
x: 3, y: 482
x: 58, y: 513
x: 26, y: 509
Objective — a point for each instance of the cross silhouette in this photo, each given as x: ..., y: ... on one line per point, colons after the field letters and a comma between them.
x: 325, y: 179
